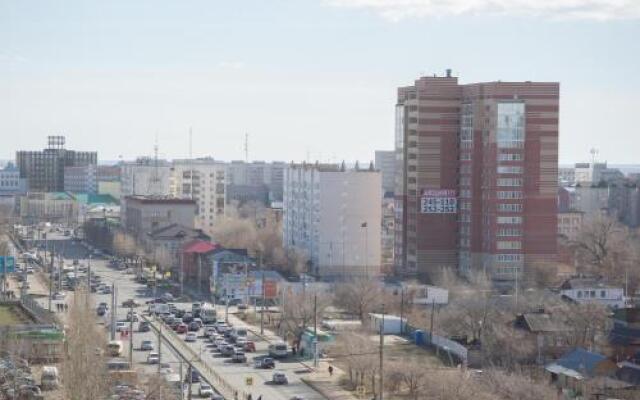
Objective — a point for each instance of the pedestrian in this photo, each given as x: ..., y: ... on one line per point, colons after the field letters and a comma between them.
x: 260, y: 397
x: 249, y: 397
x: 293, y: 351
x: 235, y: 395
x: 302, y: 352
x: 330, y: 370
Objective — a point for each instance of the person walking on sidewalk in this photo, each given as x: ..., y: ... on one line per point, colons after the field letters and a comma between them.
x: 330, y: 370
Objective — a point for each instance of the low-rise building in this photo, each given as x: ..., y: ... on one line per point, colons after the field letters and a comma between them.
x: 592, y: 290
x: 624, y: 337
x: 60, y: 207
x: 570, y: 223
x: 143, y: 214
x: 571, y: 373
x: 10, y: 181
x: 547, y: 333
x: 171, y: 238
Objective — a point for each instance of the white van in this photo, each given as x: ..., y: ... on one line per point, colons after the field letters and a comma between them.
x: 49, y: 379
x: 278, y: 350
x: 114, y: 348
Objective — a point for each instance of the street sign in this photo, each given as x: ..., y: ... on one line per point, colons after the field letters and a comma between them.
x: 7, y: 264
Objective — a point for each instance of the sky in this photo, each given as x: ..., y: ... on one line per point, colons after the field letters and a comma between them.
x: 305, y: 79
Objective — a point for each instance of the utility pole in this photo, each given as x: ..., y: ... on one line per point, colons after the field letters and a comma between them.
x: 315, y: 330
x: 200, y: 275
x: 516, y: 292
x: 160, y: 346
x: 401, y: 311
x: 131, y: 333
x: 181, y: 386
x: 382, y: 355
x: 263, y: 297
x: 113, y: 311
x: 50, y: 280
x: 190, y: 381
x: 433, y: 312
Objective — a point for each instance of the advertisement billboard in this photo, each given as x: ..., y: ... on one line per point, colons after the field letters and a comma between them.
x: 438, y: 201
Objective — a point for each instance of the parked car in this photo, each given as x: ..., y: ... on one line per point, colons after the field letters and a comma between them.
x: 194, y: 326
x: 242, y: 307
x: 265, y: 363
x: 181, y: 328
x: 250, y: 346
x: 227, y: 350
x: 58, y: 296
x: 239, y: 357
x: 195, y: 376
x: 146, y: 345
x: 191, y: 337
x: 205, y: 390
x: 130, y: 303
x: 167, y: 297
x: 279, y: 378
x: 187, y: 318
x: 153, y: 358
x: 121, y: 326
x: 144, y: 326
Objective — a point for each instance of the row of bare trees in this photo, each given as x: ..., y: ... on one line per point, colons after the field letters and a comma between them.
x: 357, y: 353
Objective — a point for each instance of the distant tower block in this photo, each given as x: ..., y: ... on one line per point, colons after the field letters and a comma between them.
x: 55, y: 142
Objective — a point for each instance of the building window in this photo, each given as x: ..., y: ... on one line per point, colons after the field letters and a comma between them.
x: 579, y: 294
x: 509, y: 195
x: 511, y: 125
x: 603, y: 294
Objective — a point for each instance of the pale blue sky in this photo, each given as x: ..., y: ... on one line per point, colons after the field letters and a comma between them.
x: 305, y: 78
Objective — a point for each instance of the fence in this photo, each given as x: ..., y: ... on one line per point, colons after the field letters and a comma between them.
x: 41, y: 315
x: 439, y: 343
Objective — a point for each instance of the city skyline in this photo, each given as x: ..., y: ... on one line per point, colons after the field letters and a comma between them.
x: 105, y: 75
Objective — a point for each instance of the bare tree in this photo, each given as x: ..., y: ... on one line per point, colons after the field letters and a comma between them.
x: 124, y: 245
x: 84, y: 370
x: 299, y: 312
x: 359, y: 296
x: 356, y: 353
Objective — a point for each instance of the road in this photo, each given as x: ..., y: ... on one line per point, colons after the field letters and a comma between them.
x: 234, y: 374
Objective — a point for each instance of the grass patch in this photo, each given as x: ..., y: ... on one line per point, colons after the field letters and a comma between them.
x: 10, y: 315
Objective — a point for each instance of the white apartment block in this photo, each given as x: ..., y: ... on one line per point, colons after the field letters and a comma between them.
x: 145, y: 177
x: 333, y: 216
x: 203, y: 180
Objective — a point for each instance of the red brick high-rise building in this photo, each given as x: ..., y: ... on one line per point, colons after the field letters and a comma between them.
x: 476, y: 176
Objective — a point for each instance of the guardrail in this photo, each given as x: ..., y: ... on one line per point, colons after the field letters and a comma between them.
x: 225, y: 388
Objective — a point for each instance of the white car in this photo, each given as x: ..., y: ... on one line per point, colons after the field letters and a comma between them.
x: 121, y: 326
x: 153, y: 358
x: 191, y: 337
x: 58, y: 296
x: 205, y: 390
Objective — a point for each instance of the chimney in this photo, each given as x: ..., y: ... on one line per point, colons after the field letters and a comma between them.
x: 448, y: 72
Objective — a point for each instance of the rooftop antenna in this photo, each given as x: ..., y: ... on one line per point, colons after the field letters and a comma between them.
x: 155, y: 179
x: 246, y: 147
x: 594, y: 155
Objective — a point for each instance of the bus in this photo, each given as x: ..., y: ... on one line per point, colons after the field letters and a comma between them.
x: 114, y: 348
x: 208, y: 313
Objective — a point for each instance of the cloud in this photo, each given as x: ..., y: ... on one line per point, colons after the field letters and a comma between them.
x: 396, y: 10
